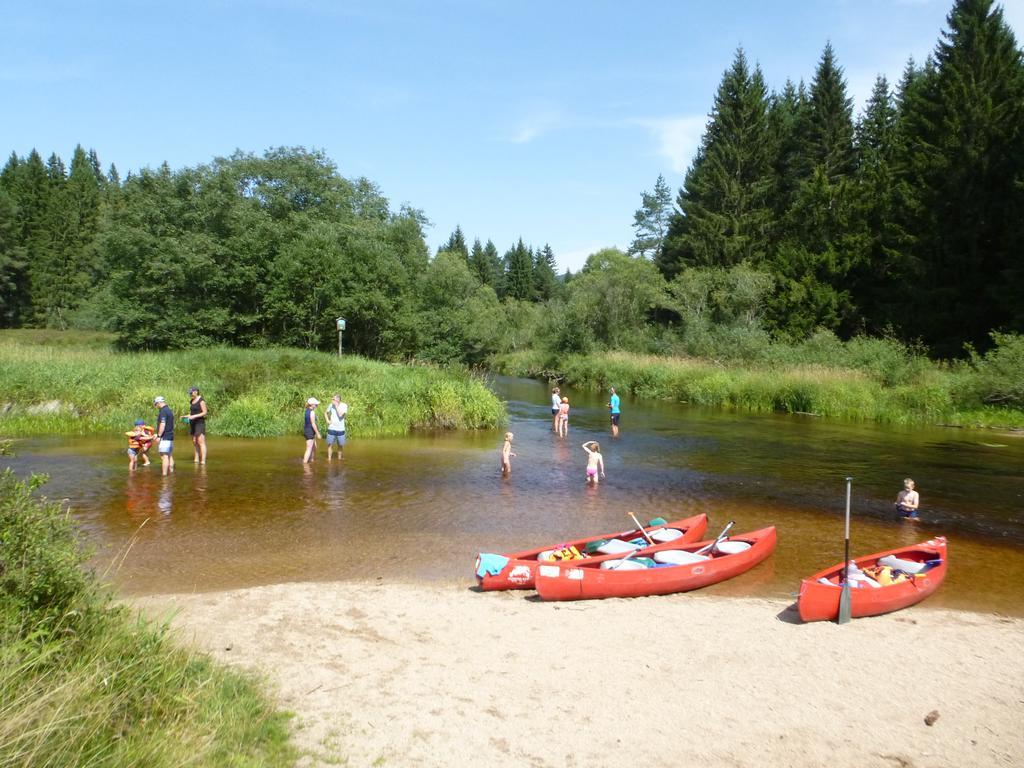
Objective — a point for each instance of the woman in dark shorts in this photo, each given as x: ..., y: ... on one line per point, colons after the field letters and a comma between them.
x: 197, y: 424
x: 310, y: 429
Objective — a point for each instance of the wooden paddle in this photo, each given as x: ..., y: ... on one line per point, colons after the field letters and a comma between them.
x: 700, y: 551
x: 642, y: 531
x: 844, y: 595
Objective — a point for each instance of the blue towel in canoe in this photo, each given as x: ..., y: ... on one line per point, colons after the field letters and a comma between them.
x: 490, y: 564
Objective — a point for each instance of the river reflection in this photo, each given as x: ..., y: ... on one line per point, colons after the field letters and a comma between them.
x: 421, y: 507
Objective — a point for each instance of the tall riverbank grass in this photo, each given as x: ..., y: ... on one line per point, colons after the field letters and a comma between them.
x: 50, y: 385
x: 921, y: 393
x: 85, y: 681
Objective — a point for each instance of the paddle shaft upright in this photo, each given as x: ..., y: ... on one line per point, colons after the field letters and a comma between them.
x: 845, y: 611
x: 641, y: 529
x: 846, y: 555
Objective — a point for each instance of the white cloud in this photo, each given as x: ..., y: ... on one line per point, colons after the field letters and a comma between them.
x: 536, y: 124
x: 678, y: 137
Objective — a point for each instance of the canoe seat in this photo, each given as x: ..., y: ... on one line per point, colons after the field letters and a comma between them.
x: 616, y: 547
x: 732, y: 547
x: 907, y: 566
x: 661, y: 535
x: 623, y: 565
x: 678, y: 557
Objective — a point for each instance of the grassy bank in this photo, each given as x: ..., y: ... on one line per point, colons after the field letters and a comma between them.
x: 83, y: 681
x: 929, y: 393
x: 50, y: 384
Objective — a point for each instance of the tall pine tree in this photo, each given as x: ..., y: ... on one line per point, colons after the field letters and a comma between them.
x: 545, y: 276
x: 456, y: 244
x: 820, y: 237
x: 965, y: 154
x: 519, y: 272
x: 883, y: 263
x: 485, y: 263
x: 723, y: 217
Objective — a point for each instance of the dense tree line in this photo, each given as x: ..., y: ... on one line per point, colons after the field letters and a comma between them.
x: 793, y: 218
x: 250, y: 251
x: 907, y: 220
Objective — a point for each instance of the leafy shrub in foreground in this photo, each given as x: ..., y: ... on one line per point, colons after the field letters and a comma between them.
x: 40, y: 561
x: 997, y: 377
x: 85, y: 682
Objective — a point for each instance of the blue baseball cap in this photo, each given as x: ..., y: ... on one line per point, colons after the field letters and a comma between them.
x: 139, y: 422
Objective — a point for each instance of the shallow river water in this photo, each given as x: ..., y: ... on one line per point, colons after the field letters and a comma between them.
x: 420, y: 508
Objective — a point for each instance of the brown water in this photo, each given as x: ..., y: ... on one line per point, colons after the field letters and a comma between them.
x: 420, y: 508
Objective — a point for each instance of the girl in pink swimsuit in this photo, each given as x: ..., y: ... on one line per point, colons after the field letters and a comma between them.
x: 595, y: 461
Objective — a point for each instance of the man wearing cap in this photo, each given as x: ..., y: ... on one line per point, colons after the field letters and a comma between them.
x: 197, y: 424
x: 310, y: 430
x: 164, y: 434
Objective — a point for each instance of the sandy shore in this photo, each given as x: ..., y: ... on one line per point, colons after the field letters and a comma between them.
x: 438, y: 675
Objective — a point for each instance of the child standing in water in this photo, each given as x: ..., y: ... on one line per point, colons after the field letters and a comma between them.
x: 595, y: 461
x: 139, y: 441
x: 908, y: 500
x: 563, y: 417
x: 506, y: 455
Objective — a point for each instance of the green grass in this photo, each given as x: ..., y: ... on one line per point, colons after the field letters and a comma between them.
x: 85, y: 681
x: 50, y: 384
x: 933, y: 394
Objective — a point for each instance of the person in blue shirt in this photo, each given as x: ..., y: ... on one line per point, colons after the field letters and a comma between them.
x: 613, y: 407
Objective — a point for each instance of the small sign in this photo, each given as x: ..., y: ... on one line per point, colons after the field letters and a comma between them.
x: 341, y: 323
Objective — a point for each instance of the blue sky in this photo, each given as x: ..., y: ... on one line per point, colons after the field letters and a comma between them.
x: 540, y: 120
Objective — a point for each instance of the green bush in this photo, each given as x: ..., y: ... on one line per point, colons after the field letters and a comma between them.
x: 83, y: 681
x: 40, y: 562
x: 997, y: 377
x: 877, y: 380
x: 250, y: 393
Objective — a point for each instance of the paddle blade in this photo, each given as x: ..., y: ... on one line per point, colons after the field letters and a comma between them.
x: 845, y: 609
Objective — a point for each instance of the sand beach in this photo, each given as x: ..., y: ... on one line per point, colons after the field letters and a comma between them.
x: 436, y: 674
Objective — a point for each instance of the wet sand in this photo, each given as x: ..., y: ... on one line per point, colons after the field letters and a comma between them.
x: 438, y: 675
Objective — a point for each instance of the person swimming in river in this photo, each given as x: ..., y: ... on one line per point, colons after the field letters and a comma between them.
x: 908, y: 501
x: 595, y: 461
x: 506, y: 455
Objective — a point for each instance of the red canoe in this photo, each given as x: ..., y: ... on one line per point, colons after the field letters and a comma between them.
x: 819, y: 594
x: 520, y: 570
x: 676, y: 569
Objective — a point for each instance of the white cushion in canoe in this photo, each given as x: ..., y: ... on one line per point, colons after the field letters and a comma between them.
x: 732, y: 547
x: 622, y: 565
x: 616, y: 547
x: 546, y: 555
x: 856, y: 579
x: 661, y: 535
x: 678, y: 557
x: 907, y: 566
